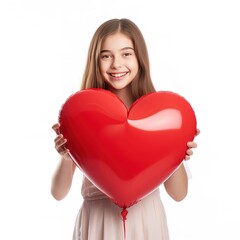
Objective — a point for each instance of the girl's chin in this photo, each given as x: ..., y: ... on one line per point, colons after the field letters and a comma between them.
x: 118, y: 87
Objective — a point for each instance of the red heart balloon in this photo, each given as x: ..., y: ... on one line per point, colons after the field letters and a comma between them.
x: 127, y: 153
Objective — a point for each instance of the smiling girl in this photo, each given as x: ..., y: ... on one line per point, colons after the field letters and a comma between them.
x: 117, y: 61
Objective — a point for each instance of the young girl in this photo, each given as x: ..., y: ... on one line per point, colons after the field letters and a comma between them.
x: 117, y: 61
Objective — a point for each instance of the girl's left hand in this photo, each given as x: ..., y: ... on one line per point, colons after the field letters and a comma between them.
x: 191, y: 145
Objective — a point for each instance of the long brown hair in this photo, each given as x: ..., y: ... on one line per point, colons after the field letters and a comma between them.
x: 92, y: 78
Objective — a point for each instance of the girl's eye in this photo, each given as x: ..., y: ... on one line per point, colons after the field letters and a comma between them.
x: 105, y: 56
x: 127, y: 54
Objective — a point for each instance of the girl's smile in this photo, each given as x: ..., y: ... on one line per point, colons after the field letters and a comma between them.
x: 118, y: 76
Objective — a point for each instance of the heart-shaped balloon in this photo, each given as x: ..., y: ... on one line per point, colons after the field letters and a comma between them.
x: 127, y: 153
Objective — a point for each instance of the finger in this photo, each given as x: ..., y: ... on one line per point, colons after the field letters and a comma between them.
x: 189, y: 152
x: 197, y: 132
x: 187, y: 158
x: 60, y: 141
x: 192, y: 144
x: 58, y: 138
x: 62, y: 149
x: 56, y: 127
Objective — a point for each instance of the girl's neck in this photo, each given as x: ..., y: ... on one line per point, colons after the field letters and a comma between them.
x: 125, y: 95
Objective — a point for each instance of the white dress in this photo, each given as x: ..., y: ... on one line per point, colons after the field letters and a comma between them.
x: 100, y: 219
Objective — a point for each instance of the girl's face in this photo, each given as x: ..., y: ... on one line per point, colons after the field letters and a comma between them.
x: 118, y: 62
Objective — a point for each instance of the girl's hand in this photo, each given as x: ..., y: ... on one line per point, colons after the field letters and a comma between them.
x: 60, y: 142
x: 191, y: 145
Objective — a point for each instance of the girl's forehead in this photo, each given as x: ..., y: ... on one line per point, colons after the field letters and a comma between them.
x: 117, y: 40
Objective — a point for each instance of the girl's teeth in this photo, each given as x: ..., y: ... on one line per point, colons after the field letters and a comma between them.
x: 118, y: 75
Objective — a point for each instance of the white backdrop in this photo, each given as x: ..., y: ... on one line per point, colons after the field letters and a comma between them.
x: 194, y: 51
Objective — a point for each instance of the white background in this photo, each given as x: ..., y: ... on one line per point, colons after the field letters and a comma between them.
x: 194, y: 49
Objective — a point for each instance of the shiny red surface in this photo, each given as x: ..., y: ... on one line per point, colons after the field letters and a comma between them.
x: 127, y: 153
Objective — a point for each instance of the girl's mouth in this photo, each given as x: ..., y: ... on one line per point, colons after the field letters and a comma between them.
x: 118, y: 75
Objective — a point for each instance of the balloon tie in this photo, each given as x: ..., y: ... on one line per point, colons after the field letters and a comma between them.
x: 124, y: 218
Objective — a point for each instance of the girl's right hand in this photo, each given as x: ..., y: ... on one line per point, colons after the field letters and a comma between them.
x: 60, y: 142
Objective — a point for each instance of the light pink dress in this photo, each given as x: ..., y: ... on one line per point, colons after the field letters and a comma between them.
x: 100, y: 219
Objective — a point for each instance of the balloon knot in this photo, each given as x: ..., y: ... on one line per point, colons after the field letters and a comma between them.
x: 124, y: 214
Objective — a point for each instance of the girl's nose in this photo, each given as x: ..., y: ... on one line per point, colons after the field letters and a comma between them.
x: 116, y: 63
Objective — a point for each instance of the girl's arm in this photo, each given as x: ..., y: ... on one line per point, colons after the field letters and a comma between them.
x: 177, y: 184
x: 62, y: 178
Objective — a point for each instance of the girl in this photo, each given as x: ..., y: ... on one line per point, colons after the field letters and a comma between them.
x: 117, y: 61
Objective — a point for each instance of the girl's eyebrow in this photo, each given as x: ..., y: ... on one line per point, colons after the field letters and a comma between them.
x: 125, y: 48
